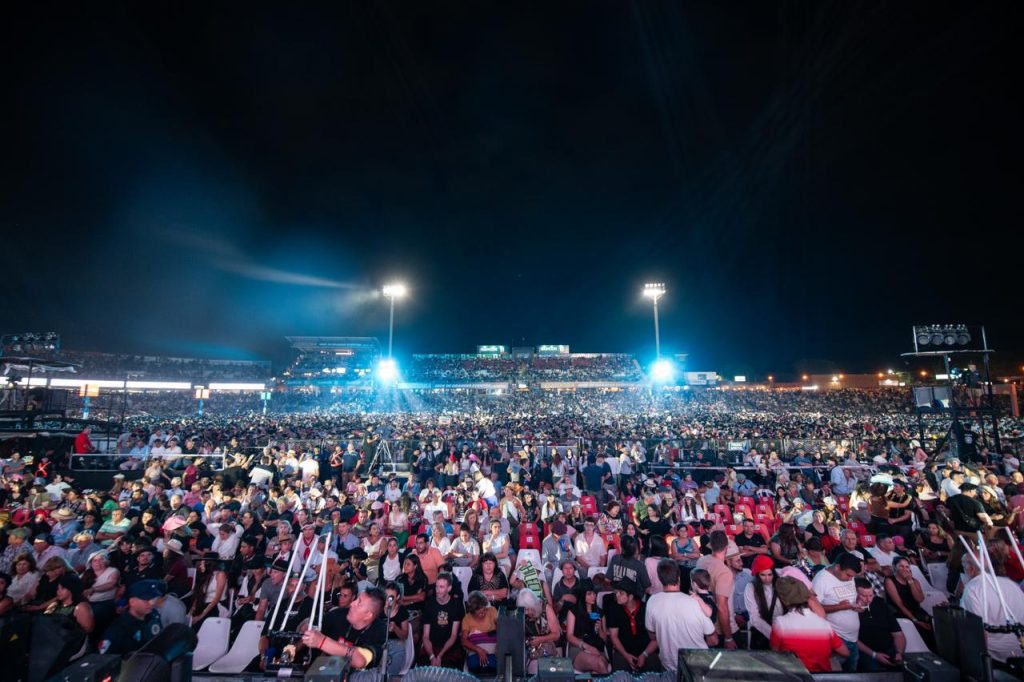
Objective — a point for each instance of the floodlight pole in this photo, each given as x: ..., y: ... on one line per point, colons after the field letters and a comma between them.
x: 657, y: 332
x: 391, y: 325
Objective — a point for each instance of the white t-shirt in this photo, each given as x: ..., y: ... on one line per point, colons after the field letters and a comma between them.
x: 883, y: 558
x: 831, y: 590
x: 590, y: 551
x: 1001, y: 646
x: 678, y: 623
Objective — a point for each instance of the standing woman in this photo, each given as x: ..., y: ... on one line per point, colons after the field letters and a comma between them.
x: 761, y: 602
x: 784, y: 546
x: 585, y: 633
x: 211, y: 588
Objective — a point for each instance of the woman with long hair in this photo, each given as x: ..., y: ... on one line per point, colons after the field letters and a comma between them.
x: 390, y: 564
x: 413, y: 582
x: 584, y: 630
x: 935, y: 544
x: 398, y: 520
x: 211, y: 587
x: 784, y: 545
x: 374, y: 545
x: 761, y: 602
x: 71, y: 601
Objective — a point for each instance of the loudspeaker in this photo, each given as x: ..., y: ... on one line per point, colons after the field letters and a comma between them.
x: 511, y: 640
x: 555, y: 670
x: 716, y: 664
x: 960, y: 636
x: 928, y: 667
x: 91, y: 668
x: 325, y: 669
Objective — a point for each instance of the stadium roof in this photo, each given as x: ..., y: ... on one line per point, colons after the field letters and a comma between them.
x: 327, y: 343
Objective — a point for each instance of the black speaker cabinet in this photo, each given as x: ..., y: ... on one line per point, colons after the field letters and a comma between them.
x: 929, y: 667
x: 555, y: 670
x: 511, y: 641
x: 325, y: 669
x: 91, y: 668
x: 960, y: 636
x: 697, y: 665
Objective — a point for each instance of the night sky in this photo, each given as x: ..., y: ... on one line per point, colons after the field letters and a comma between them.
x: 808, y: 179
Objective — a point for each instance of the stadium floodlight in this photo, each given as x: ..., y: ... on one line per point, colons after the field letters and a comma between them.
x: 942, y: 335
x: 662, y: 371
x: 387, y: 371
x: 393, y: 291
x: 654, y: 291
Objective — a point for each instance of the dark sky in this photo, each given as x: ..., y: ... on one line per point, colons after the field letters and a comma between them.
x: 809, y: 179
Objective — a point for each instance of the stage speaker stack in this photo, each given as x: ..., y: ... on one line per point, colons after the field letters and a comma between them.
x: 697, y: 665
x: 960, y: 636
x: 325, y: 669
x: 555, y: 670
x: 91, y: 668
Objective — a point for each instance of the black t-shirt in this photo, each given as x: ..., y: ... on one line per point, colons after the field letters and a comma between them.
x: 660, y: 527
x: 127, y: 633
x: 412, y: 587
x: 442, y: 618
x: 755, y: 540
x: 963, y: 511
x: 632, y: 634
x: 336, y: 622
x: 371, y: 638
x: 400, y: 617
x: 877, y: 625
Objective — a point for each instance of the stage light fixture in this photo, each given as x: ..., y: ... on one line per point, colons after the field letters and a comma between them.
x: 946, y: 335
x: 387, y: 371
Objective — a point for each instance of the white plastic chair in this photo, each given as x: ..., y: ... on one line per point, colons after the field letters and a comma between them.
x: 192, y: 581
x: 555, y: 577
x: 596, y: 570
x: 915, y: 643
x: 532, y: 555
x: 410, y: 653
x: 463, y: 573
x: 938, y: 572
x: 214, y: 635
x: 245, y: 648
x: 611, y: 553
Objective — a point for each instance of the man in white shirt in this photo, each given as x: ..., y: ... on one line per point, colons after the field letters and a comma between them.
x: 674, y: 620
x: 982, y: 597
x: 885, y: 551
x: 838, y: 596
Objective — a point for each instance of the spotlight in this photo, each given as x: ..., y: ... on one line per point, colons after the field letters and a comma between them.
x: 662, y: 371
x: 942, y: 335
x: 387, y: 371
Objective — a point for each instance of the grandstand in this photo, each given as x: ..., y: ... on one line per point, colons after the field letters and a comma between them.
x: 326, y: 361
x: 114, y: 366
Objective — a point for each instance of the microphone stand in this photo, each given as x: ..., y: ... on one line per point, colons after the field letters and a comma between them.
x: 383, y: 675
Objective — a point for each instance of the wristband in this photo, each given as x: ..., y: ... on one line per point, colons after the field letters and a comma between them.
x: 727, y: 639
x: 874, y: 655
x: 323, y: 638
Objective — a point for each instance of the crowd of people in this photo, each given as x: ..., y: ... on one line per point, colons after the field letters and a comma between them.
x: 117, y: 366
x: 620, y: 545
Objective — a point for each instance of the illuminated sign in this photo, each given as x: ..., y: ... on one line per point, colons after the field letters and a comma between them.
x: 553, y: 350
x: 739, y: 379
x: 491, y: 350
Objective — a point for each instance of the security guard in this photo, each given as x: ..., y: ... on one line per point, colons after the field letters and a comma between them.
x: 138, y: 624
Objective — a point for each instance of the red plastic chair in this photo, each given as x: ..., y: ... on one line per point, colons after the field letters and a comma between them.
x: 867, y: 540
x: 763, y: 530
x: 749, y: 501
x: 765, y: 509
x: 746, y: 510
x: 858, y: 528
x: 589, y: 505
x: 611, y: 541
x: 722, y: 510
x: 733, y: 530
x: 529, y: 541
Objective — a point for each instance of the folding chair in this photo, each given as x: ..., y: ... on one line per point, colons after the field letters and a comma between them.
x: 245, y: 648
x: 214, y: 635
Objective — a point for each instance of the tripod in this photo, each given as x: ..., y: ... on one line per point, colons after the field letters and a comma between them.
x: 383, y: 458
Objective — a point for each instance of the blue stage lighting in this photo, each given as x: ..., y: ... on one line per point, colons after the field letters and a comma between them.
x: 663, y: 371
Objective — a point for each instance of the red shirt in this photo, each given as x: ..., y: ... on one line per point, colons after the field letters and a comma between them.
x: 807, y: 635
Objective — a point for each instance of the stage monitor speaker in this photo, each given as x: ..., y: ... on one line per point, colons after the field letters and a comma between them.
x: 91, y: 668
x: 697, y: 665
x: 960, y: 636
x: 929, y: 667
x: 325, y: 669
x: 555, y: 670
x: 511, y: 640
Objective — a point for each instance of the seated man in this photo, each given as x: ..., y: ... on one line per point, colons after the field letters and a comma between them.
x: 364, y: 638
x: 881, y: 641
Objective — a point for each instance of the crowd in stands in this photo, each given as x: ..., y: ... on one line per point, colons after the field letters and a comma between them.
x: 461, y: 368
x: 156, y: 368
x: 616, y: 367
x: 621, y: 547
